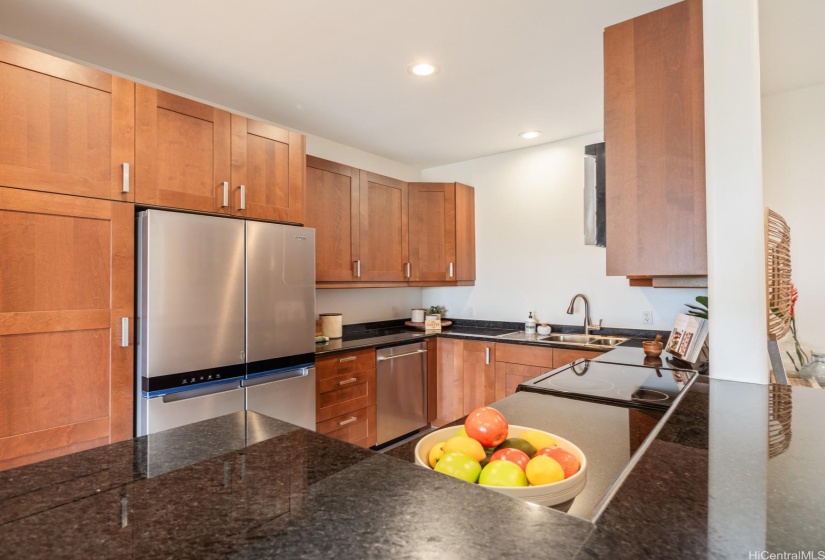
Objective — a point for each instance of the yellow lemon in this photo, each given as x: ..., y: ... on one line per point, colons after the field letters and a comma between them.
x: 436, y: 453
x: 462, y: 432
x: 543, y: 470
x: 538, y: 439
x: 466, y: 445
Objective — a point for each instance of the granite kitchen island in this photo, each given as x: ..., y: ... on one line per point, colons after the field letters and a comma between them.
x: 248, y: 486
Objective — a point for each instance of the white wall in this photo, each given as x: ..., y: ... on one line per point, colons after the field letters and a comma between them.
x: 793, y: 142
x: 530, y: 246
x: 367, y: 304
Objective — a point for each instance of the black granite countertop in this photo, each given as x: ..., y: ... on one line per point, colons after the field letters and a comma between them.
x: 735, y: 470
x: 388, y: 333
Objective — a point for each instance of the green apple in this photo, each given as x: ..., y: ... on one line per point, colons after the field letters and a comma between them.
x: 459, y: 465
x: 502, y: 473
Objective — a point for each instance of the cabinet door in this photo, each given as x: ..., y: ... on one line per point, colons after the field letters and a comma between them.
x: 563, y: 356
x: 510, y: 375
x: 432, y: 232
x: 65, y: 128
x: 450, y: 381
x: 333, y: 210
x: 384, y: 229
x: 479, y: 374
x: 465, y: 232
x: 654, y: 134
x: 182, y: 153
x: 267, y: 171
x: 66, y: 380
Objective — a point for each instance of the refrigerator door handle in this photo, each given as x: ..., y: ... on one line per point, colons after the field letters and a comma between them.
x: 275, y: 377
x: 201, y: 392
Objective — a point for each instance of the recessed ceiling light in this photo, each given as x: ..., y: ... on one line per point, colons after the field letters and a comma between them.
x: 422, y: 69
x: 530, y: 134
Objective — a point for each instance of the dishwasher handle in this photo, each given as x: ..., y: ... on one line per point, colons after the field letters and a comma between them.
x: 384, y: 358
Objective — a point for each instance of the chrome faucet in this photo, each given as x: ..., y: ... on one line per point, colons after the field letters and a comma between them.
x: 587, y: 322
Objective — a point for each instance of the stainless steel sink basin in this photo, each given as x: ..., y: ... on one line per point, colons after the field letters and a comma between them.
x: 567, y: 338
x: 606, y: 341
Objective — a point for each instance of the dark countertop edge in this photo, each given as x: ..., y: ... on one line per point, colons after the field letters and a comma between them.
x: 361, y: 331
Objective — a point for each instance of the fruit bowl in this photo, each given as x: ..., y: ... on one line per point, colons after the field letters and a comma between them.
x: 544, y: 494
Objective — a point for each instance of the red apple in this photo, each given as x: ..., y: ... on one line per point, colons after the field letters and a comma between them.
x: 567, y: 460
x: 513, y: 455
x: 487, y: 425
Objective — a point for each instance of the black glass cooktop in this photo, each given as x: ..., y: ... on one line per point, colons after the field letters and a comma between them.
x: 652, y: 387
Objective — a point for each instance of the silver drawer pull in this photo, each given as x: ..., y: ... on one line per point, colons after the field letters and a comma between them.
x: 351, y: 358
x: 125, y: 169
x: 348, y: 381
x: 348, y: 421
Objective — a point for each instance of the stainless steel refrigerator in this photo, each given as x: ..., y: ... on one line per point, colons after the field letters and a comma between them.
x: 226, y: 320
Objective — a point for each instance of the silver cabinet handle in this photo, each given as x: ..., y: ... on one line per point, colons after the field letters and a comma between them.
x: 351, y: 358
x: 125, y: 167
x: 243, y: 197
x: 225, y: 194
x: 452, y: 269
x: 348, y: 381
x: 408, y: 270
x: 385, y: 358
x: 348, y: 421
x: 358, y: 269
x: 124, y: 332
x: 487, y: 355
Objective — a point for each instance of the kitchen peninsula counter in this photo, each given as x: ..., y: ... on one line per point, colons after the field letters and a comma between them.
x: 249, y: 486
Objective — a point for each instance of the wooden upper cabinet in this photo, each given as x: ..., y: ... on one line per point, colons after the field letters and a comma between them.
x: 442, y: 233
x: 655, y: 144
x: 267, y: 171
x: 66, y: 284
x: 333, y: 210
x: 182, y: 153
x: 66, y: 128
x: 384, y: 247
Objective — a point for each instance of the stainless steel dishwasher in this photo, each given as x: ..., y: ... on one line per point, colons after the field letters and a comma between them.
x: 401, y: 390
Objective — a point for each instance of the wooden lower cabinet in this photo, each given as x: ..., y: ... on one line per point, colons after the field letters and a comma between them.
x: 466, y: 378
x: 516, y: 363
x: 563, y: 356
x: 66, y: 284
x: 357, y: 427
x: 345, y: 396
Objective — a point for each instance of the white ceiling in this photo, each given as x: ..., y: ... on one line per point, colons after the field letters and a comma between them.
x: 337, y: 69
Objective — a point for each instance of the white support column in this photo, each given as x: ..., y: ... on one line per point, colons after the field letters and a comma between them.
x: 735, y: 207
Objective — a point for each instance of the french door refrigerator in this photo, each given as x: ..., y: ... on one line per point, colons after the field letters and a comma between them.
x: 226, y: 320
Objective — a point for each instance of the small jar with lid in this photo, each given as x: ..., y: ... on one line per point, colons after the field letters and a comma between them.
x: 815, y: 369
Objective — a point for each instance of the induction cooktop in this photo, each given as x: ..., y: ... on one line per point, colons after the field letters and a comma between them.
x: 650, y: 387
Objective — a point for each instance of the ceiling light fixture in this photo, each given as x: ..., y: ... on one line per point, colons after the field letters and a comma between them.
x: 422, y: 69
x: 530, y: 134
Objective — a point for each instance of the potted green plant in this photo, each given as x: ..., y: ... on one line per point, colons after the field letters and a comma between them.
x: 436, y: 310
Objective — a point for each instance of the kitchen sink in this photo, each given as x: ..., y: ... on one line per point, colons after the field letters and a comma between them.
x: 567, y: 338
x: 606, y: 341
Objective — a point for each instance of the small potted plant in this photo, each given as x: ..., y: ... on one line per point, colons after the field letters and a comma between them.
x: 436, y: 310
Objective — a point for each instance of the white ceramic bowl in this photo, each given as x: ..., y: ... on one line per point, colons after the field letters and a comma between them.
x: 544, y: 494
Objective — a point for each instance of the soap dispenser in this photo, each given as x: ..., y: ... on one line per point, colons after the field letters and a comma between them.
x: 530, y: 325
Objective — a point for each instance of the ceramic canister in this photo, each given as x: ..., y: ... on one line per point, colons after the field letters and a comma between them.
x: 417, y: 316
x: 331, y: 324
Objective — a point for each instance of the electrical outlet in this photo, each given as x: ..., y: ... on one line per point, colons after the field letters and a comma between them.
x: 647, y: 317
x: 395, y: 311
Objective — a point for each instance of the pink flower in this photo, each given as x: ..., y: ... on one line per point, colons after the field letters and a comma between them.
x: 794, y: 297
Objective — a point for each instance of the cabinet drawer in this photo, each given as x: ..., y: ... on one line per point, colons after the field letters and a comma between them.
x: 527, y: 355
x: 356, y: 427
x: 563, y: 356
x: 344, y: 393
x: 341, y: 364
